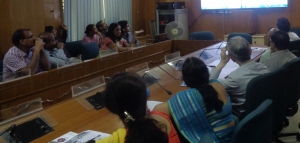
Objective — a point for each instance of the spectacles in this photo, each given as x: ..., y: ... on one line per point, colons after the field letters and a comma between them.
x: 29, y: 37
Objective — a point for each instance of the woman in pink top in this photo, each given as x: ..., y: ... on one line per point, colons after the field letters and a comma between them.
x: 114, y: 36
x: 92, y: 35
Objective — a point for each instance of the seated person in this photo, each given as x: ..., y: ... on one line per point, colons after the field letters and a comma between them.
x: 102, y: 28
x: 279, y: 51
x: 27, y: 53
x: 236, y: 83
x: 114, y: 36
x: 204, y: 104
x: 64, y: 34
x: 126, y: 34
x: 54, y: 51
x: 92, y: 35
x: 141, y: 126
x: 267, y: 53
x: 284, y: 25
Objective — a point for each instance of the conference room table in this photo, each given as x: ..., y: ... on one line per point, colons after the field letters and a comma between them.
x: 70, y: 115
x: 213, y: 51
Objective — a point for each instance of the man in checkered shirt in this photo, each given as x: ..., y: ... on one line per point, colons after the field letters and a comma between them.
x: 27, y: 53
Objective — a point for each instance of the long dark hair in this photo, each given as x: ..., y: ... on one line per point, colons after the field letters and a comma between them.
x: 110, y: 32
x: 126, y: 92
x: 195, y: 75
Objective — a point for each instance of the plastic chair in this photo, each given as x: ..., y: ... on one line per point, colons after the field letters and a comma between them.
x: 74, y: 48
x: 90, y: 51
x: 248, y: 37
x: 256, y: 127
x: 203, y: 35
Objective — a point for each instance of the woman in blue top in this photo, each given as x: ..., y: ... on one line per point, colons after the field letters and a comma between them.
x: 204, y: 109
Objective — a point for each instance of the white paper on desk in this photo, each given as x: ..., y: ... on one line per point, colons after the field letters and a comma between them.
x: 64, y: 138
x: 230, y: 67
x: 183, y: 84
x: 87, y: 135
x: 152, y: 104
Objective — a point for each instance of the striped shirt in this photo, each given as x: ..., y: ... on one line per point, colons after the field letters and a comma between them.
x: 15, y: 59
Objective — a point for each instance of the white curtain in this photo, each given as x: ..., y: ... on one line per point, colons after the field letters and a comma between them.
x: 79, y: 13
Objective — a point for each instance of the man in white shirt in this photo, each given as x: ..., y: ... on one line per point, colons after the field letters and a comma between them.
x: 280, y: 54
x: 236, y: 83
x: 284, y: 25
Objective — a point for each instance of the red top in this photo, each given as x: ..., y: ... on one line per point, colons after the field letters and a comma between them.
x: 173, y: 137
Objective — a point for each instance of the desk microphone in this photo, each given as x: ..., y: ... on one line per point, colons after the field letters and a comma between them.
x: 168, y: 91
x: 211, y: 49
x: 156, y: 81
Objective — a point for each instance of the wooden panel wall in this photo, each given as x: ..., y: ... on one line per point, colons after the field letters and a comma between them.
x: 32, y: 14
x: 221, y: 24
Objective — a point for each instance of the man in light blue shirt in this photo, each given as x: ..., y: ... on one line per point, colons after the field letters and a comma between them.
x: 54, y: 50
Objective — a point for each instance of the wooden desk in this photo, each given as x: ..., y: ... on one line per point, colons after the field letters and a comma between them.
x: 72, y: 116
x: 54, y: 86
x: 260, y: 39
x: 211, y: 50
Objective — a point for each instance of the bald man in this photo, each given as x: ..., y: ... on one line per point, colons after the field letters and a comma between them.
x: 267, y: 53
x: 280, y: 54
x: 54, y: 50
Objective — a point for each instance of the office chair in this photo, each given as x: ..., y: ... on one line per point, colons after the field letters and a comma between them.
x: 256, y: 127
x: 74, y: 48
x: 294, y: 47
x: 269, y: 86
x: 296, y: 30
x: 293, y: 87
x: 89, y: 51
x: 203, y: 35
x: 248, y: 37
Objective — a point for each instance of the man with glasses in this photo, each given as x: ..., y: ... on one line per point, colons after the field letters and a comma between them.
x: 27, y: 53
x: 236, y: 83
x: 280, y: 54
x: 126, y: 34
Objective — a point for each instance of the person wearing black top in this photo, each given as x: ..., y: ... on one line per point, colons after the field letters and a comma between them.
x: 59, y: 38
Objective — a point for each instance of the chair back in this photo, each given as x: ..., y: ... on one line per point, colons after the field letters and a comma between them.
x: 74, y: 48
x: 269, y: 86
x: 296, y: 30
x: 293, y: 81
x: 294, y: 46
x: 89, y: 51
x: 203, y: 35
x: 256, y: 127
x: 248, y: 37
